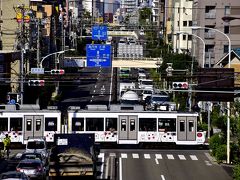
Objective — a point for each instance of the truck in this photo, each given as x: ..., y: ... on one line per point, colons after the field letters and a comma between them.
x: 73, y: 155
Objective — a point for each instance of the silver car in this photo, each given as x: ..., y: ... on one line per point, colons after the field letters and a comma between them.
x: 33, y: 168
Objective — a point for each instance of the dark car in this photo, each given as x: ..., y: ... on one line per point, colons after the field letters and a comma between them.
x: 14, y: 175
x: 34, y: 155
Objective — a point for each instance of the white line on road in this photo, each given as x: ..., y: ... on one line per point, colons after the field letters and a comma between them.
x: 208, y: 163
x: 162, y: 176
x: 193, y: 157
x: 181, y: 157
x: 135, y: 156
x: 156, y: 160
x: 170, y: 156
x: 158, y: 156
x: 123, y: 155
x: 120, y: 168
x: 147, y: 156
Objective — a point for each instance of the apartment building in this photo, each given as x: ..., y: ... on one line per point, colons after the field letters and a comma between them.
x: 209, y: 13
x: 181, y: 31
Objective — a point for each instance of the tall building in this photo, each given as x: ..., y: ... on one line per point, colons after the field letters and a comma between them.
x: 182, y: 38
x: 209, y: 13
x: 129, y: 5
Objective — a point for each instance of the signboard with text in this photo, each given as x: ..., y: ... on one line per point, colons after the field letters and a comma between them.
x: 99, y: 32
x: 98, y: 55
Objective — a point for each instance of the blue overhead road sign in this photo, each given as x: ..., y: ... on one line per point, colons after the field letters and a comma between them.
x: 99, y: 32
x: 98, y: 55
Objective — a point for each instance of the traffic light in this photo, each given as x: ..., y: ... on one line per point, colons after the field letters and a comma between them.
x: 180, y: 85
x: 36, y: 82
x: 57, y: 71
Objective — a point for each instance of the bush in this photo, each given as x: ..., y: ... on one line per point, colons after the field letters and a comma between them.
x: 221, y: 153
x: 236, y: 172
x: 215, y: 141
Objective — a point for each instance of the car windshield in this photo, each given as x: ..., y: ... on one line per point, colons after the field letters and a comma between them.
x: 35, y: 145
x: 160, y: 98
x: 8, y: 176
x: 147, y: 82
x: 29, y: 165
x: 147, y: 92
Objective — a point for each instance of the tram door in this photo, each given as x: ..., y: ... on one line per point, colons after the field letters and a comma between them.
x: 33, y: 126
x: 128, y: 126
x: 186, y: 128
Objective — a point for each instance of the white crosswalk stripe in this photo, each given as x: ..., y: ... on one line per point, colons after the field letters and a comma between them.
x: 147, y: 156
x: 124, y: 155
x: 158, y: 156
x: 193, y: 157
x: 170, y: 156
x: 181, y: 157
x: 135, y: 156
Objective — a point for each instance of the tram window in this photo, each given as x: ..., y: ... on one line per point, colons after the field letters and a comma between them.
x: 50, y: 124
x: 182, y: 125
x: 147, y: 124
x: 77, y: 124
x: 16, y: 124
x: 94, y: 124
x: 191, y: 126
x: 167, y: 124
x: 3, y: 124
x: 132, y: 124
x: 29, y: 125
x: 111, y: 124
x: 123, y: 125
x: 38, y: 125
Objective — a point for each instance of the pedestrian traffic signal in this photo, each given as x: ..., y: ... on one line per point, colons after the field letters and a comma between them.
x: 180, y: 85
x: 36, y: 82
x: 57, y: 71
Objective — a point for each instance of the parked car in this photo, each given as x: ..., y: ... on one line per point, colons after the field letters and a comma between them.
x: 34, y: 155
x: 33, y: 168
x: 157, y: 101
x: 14, y: 175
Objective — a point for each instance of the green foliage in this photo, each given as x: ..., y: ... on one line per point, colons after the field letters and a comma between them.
x: 203, y: 126
x: 221, y: 123
x: 221, y: 153
x: 216, y: 141
x: 236, y: 172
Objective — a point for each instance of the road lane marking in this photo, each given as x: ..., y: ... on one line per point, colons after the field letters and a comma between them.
x: 210, y: 158
x: 135, y: 156
x: 208, y: 163
x: 162, y: 176
x: 170, y: 156
x: 156, y: 160
x: 158, y: 156
x: 147, y: 156
x: 193, y: 157
x: 181, y: 157
x: 123, y: 155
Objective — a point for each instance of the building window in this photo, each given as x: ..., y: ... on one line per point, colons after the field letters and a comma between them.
x: 225, y: 49
x: 178, y: 23
x: 179, y: 10
x: 189, y: 23
x: 185, y: 23
x: 184, y: 37
x: 226, y: 29
x: 189, y: 37
x: 227, y: 10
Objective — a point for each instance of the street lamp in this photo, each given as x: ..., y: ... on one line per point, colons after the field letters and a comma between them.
x: 228, y: 103
x: 229, y: 18
x: 204, y: 44
x: 55, y: 53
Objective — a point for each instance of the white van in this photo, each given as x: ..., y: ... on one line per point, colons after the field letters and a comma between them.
x: 146, y: 84
x: 37, y: 144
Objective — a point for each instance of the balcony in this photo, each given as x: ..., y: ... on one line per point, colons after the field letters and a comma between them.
x: 209, y: 35
x: 210, y: 54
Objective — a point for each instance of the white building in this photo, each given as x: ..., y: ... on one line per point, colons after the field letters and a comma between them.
x: 182, y: 22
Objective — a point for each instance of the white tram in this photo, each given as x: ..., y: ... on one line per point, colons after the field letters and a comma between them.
x: 27, y: 121
x: 132, y: 125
